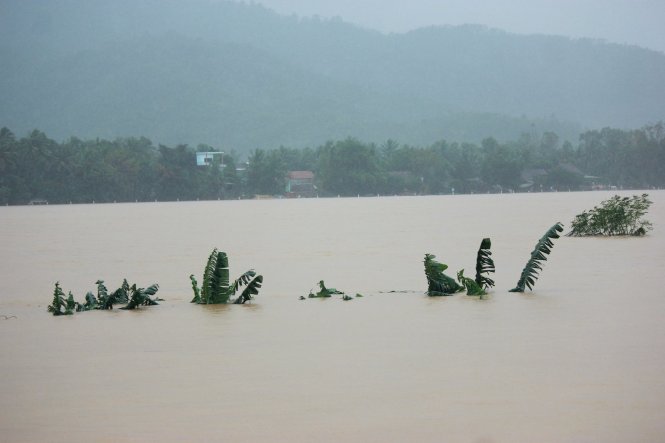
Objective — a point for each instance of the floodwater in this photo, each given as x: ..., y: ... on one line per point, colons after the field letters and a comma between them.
x: 579, y: 359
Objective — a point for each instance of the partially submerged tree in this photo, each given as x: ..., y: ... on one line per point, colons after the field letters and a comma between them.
x: 538, y: 256
x: 216, y: 287
x: 616, y: 216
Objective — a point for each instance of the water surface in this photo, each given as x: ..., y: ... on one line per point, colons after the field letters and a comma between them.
x: 579, y: 359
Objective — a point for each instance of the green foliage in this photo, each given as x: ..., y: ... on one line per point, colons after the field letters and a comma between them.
x: 195, y: 288
x: 104, y: 301
x: 349, y: 167
x: 252, y: 284
x: 36, y: 167
x: 439, y: 283
x: 71, y: 303
x: 538, y: 256
x: 472, y: 288
x: 216, y: 287
x: 266, y: 172
x: 59, y: 305
x: 121, y: 295
x: 141, y: 297
x: 90, y: 303
x: 616, y: 216
x: 324, y: 292
x: 484, y: 264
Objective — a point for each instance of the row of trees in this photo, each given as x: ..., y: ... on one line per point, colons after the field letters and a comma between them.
x: 133, y: 169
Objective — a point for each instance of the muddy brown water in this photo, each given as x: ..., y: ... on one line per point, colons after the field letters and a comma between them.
x: 579, y: 359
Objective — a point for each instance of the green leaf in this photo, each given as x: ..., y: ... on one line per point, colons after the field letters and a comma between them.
x: 324, y: 292
x: 216, y: 288
x: 59, y: 305
x: 538, y: 255
x: 252, y: 288
x: 195, y: 288
x: 484, y: 264
x: 438, y: 283
x: 141, y: 297
x: 472, y: 288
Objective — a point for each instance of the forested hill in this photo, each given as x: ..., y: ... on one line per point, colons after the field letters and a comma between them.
x: 239, y: 76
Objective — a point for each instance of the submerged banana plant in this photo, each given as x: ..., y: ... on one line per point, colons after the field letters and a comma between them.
x: 439, y: 283
x: 141, y: 297
x: 121, y: 295
x: 104, y: 299
x: 90, y: 303
x: 60, y: 305
x: 252, y: 284
x: 538, y: 255
x: 324, y: 292
x: 484, y: 264
x: 472, y: 288
x: 216, y: 287
x: 133, y: 297
x: 195, y: 288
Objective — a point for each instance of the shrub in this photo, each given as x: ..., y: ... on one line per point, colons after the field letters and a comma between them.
x: 616, y: 216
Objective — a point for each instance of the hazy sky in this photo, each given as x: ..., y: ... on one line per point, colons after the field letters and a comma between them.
x: 640, y: 22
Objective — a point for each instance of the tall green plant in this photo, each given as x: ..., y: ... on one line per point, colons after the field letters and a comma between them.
x: 439, y: 283
x: 472, y: 288
x: 484, y: 264
x: 538, y: 256
x: 141, y: 297
x: 60, y: 305
x: 216, y: 287
x: 90, y: 303
x: 616, y: 216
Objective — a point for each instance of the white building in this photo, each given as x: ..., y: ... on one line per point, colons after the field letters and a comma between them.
x: 206, y: 158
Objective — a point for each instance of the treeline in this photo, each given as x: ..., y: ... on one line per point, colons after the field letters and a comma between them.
x: 133, y: 169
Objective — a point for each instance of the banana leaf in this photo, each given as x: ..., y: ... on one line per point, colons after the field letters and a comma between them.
x: 195, y: 288
x: 90, y: 303
x: 251, y: 286
x: 484, y: 264
x: 141, y: 297
x: 104, y: 299
x: 472, y: 288
x: 216, y: 288
x: 59, y: 304
x: 538, y: 256
x: 438, y: 283
x: 121, y: 294
x: 324, y: 292
x: 71, y: 303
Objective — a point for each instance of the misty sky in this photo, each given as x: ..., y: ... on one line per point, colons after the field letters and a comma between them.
x: 638, y: 22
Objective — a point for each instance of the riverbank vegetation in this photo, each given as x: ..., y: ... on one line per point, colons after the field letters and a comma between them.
x: 37, y: 168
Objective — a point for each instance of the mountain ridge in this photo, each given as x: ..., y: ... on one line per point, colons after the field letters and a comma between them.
x: 237, y: 75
